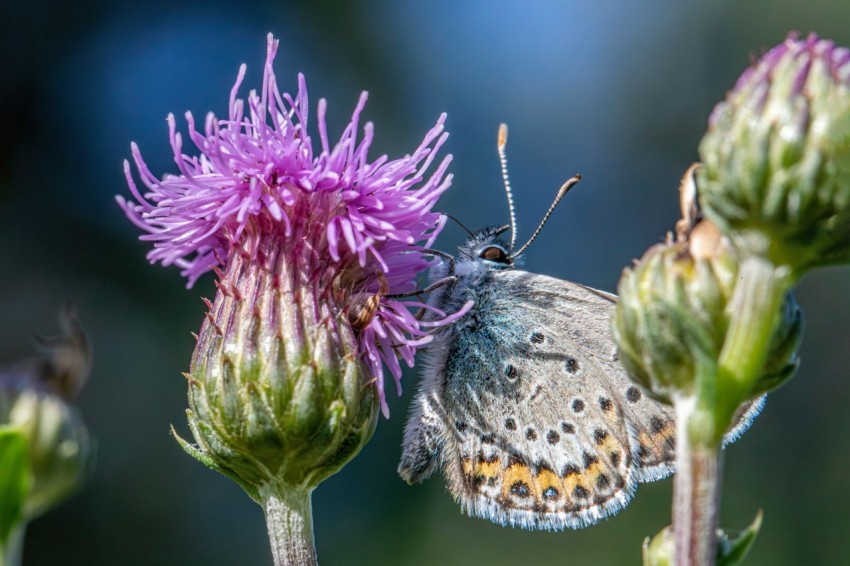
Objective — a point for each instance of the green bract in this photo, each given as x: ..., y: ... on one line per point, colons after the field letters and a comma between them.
x: 776, y: 157
x: 14, y: 482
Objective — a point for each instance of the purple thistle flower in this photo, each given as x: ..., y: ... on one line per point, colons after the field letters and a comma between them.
x: 348, y: 226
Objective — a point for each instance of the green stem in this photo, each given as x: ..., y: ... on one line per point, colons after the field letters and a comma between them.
x: 289, y: 519
x: 696, y: 488
x: 702, y: 419
x: 755, y: 312
x: 10, y: 554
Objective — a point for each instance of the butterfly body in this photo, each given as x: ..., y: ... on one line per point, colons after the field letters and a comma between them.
x: 524, y: 404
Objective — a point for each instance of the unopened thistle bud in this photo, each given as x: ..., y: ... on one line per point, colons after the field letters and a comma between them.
x: 45, y: 448
x: 276, y: 388
x: 673, y: 314
x: 776, y: 157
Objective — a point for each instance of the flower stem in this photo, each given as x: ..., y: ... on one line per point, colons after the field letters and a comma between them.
x: 754, y: 315
x: 10, y: 554
x: 696, y: 490
x: 289, y: 519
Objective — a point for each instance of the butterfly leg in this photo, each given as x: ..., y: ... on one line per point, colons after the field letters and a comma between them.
x: 433, y: 286
x: 448, y: 257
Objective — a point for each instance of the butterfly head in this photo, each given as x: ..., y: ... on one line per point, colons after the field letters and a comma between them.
x: 488, y: 249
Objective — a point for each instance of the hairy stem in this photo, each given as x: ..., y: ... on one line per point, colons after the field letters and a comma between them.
x: 696, y: 488
x: 289, y: 519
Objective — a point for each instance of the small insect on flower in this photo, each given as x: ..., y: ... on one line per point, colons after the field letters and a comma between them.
x: 363, y: 313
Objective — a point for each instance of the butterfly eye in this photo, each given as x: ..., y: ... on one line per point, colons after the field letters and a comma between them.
x: 495, y: 254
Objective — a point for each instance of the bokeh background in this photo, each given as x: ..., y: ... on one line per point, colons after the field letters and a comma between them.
x: 619, y: 91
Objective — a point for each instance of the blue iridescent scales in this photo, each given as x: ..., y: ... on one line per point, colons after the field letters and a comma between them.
x: 524, y: 404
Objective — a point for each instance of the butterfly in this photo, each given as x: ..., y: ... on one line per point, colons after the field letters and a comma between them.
x: 523, y: 402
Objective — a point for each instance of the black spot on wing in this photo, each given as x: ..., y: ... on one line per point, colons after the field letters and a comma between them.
x: 520, y: 489
x: 599, y: 436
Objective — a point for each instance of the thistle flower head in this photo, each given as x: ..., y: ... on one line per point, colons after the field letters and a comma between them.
x: 348, y: 224
x: 311, y: 245
x: 776, y: 174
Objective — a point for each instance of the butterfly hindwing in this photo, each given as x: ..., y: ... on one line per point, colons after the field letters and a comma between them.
x: 578, y: 336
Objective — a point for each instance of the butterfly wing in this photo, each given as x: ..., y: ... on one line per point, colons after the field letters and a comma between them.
x: 528, y: 410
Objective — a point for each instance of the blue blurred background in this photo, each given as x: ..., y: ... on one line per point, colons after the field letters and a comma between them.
x: 619, y: 91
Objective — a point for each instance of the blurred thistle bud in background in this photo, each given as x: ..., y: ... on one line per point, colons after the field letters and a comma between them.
x: 45, y: 449
x: 776, y: 157
x: 317, y: 255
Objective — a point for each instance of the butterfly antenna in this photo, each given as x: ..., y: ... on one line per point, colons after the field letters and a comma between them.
x: 565, y: 188
x: 459, y: 223
x: 503, y: 141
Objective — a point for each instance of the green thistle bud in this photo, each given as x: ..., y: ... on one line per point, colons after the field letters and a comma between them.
x: 674, y: 312
x: 35, y: 399
x: 45, y: 449
x: 277, y: 391
x: 670, y: 317
x: 776, y: 157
